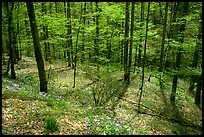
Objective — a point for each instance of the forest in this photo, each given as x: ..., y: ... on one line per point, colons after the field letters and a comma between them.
x: 101, y: 68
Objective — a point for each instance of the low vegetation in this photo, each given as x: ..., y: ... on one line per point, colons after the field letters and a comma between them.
x: 67, y: 110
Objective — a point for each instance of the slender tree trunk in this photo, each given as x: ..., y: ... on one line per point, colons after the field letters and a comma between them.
x: 97, y: 38
x: 163, y: 39
x: 19, y: 37
x: 196, y: 56
x: 47, y: 37
x: 53, y: 47
x: 140, y: 45
x: 10, y: 29
x: 45, y: 31
x: 66, y: 25
x: 131, y: 39
x: 122, y: 46
x: 76, y: 51
x: 160, y: 9
x: 144, y: 57
x: 37, y: 49
x: 180, y: 29
x: 70, y: 50
x: 83, y: 31
x: 170, y: 33
x: 198, y: 90
x: 28, y: 49
x: 126, y: 80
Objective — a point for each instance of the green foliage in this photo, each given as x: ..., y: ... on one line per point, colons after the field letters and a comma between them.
x: 50, y: 102
x: 51, y: 125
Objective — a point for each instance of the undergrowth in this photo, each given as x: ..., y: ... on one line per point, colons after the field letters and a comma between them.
x: 95, y: 106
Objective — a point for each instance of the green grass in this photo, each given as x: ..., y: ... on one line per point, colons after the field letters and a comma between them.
x: 51, y: 125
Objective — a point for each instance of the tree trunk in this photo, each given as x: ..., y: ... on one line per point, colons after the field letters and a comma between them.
x: 36, y: 41
x: 163, y: 39
x: 122, y: 46
x: 160, y: 9
x: 28, y: 49
x: 45, y: 32
x: 97, y: 38
x: 196, y: 56
x: 70, y: 50
x: 47, y: 37
x: 131, y: 40
x: 10, y: 29
x: 179, y: 28
x: 53, y: 47
x: 83, y: 31
x: 198, y: 90
x: 19, y: 38
x: 66, y: 25
x: 144, y: 57
x: 126, y: 80
x: 76, y: 52
x: 140, y: 45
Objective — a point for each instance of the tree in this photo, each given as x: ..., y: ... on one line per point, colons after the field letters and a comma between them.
x: 76, y: 51
x: 140, y: 45
x: 144, y: 56
x: 69, y: 34
x: 163, y: 39
x: 37, y: 50
x: 18, y: 31
x: 196, y: 55
x: 131, y: 39
x: 83, y: 31
x: 126, y: 78
x: 96, y: 41
x: 198, y: 90
x: 11, y: 43
x: 45, y: 32
x: 179, y: 36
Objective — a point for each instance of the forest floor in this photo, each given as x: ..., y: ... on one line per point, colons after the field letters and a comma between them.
x: 68, y: 110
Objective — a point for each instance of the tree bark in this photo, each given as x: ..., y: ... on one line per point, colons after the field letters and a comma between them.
x: 11, y: 44
x: 126, y: 80
x: 196, y: 56
x: 198, y: 90
x: 131, y: 39
x: 140, y: 45
x: 70, y: 50
x: 163, y: 39
x: 19, y: 38
x: 37, y: 50
x: 83, y: 31
x: 97, y: 38
x: 144, y: 57
x: 179, y: 28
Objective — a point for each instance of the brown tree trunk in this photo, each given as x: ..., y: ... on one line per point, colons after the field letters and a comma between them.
x: 10, y: 29
x: 36, y: 41
x: 97, y: 39
x: 144, y: 57
x: 196, y: 56
x: 70, y: 50
x: 179, y: 30
x: 198, y: 90
x: 126, y: 79
x: 131, y: 40
x: 140, y: 45
x: 83, y: 31
x: 163, y: 39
